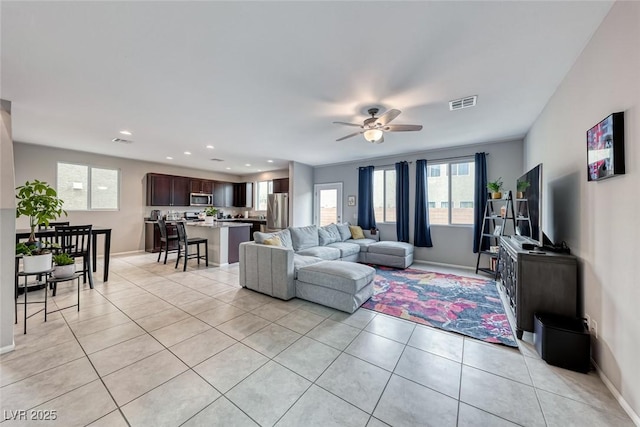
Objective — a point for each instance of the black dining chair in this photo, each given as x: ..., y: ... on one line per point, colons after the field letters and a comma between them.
x: 183, y: 246
x: 166, y: 240
x: 52, y: 225
x: 76, y: 241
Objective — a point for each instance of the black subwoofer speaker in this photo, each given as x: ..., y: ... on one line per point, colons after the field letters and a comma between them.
x: 563, y: 341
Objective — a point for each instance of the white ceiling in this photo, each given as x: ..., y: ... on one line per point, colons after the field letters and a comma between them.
x: 265, y: 80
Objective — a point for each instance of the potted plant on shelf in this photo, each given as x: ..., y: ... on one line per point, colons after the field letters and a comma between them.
x: 495, y: 187
x: 65, y: 265
x: 40, y: 203
x: 521, y: 188
x: 35, y: 257
x: 210, y: 215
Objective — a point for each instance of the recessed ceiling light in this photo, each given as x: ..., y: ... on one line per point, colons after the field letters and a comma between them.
x: 188, y: 153
x: 247, y: 164
x: 125, y: 132
x: 269, y: 161
x: 169, y: 158
x: 228, y: 169
x: 210, y: 147
x: 259, y: 170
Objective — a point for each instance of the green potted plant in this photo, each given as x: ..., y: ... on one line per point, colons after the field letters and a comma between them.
x: 210, y: 215
x: 35, y: 257
x: 495, y: 187
x: 40, y: 203
x: 521, y: 187
x: 65, y: 265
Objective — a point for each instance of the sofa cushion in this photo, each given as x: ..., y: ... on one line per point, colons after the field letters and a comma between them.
x: 304, y: 237
x: 356, y: 232
x: 345, y: 233
x: 329, y: 234
x: 347, y: 277
x: 362, y: 243
x: 346, y: 248
x: 300, y: 261
x: 400, y: 249
x: 283, y: 235
x: 324, y: 252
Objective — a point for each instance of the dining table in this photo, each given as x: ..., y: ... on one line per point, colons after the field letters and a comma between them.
x: 49, y: 233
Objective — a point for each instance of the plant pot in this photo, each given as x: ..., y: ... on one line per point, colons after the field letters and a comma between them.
x: 497, y: 195
x: 208, y: 220
x: 62, y: 271
x: 36, y: 263
x: 519, y: 195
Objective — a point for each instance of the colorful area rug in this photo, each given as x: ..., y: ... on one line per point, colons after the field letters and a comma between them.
x: 454, y: 303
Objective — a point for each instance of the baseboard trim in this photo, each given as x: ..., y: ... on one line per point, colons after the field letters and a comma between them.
x: 616, y: 394
x: 8, y: 348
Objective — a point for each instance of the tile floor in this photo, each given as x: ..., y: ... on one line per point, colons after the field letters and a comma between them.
x: 156, y: 347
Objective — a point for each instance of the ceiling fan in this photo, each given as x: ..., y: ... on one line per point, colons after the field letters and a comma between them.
x: 374, y: 127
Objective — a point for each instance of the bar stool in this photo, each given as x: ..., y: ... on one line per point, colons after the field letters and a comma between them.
x: 184, y: 243
x: 166, y: 239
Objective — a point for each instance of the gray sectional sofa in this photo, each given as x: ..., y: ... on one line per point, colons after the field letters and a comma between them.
x: 280, y: 264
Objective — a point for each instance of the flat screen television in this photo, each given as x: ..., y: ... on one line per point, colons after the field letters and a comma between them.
x: 605, y: 148
x: 529, y: 207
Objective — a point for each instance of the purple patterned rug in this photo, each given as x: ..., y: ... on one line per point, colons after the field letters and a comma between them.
x: 454, y: 303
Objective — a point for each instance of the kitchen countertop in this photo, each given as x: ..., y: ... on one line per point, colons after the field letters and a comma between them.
x: 218, y: 224
x: 246, y: 219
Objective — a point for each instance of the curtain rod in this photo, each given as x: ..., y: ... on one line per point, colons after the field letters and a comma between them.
x: 428, y: 161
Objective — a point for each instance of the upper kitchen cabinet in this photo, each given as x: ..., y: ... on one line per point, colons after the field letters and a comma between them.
x: 167, y: 190
x: 203, y: 186
x: 281, y: 185
x: 243, y: 195
x: 222, y: 194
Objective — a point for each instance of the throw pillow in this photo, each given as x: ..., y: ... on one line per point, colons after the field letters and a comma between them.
x: 356, y: 232
x: 273, y: 241
x: 345, y: 233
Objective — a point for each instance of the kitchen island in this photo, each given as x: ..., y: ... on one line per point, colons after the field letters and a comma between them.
x: 223, y: 237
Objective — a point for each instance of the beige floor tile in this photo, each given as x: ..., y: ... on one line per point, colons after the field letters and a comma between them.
x: 388, y: 327
x: 180, y: 331
x: 307, y: 357
x: 172, y: 403
x: 375, y: 349
x: 201, y: 347
x: 108, y: 337
x: 113, y: 419
x: 335, y: 334
x: 499, y: 360
x: 136, y: 379
x: 436, y: 372
x: 124, y: 354
x: 271, y: 340
x: 162, y: 319
x: 468, y: 416
x: 360, y: 319
x: 100, y: 323
x: 229, y: 367
x: 220, y: 314
x: 201, y: 305
x: 437, y: 342
x: 300, y: 321
x: 561, y: 411
x: 243, y: 326
x: 221, y: 413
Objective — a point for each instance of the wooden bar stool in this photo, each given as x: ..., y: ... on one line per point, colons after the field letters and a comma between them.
x: 184, y: 243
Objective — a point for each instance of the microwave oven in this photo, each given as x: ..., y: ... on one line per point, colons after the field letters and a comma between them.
x: 201, y: 199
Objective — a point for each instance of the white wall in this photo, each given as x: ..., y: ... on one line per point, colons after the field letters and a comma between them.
x: 39, y: 162
x: 7, y: 229
x: 599, y: 220
x: 451, y: 244
x: 300, y: 194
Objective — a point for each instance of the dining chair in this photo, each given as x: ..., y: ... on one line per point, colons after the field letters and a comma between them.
x: 76, y: 241
x: 52, y: 225
x: 165, y: 239
x: 183, y: 246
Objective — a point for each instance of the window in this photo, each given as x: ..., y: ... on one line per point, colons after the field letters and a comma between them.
x: 384, y: 195
x: 85, y: 188
x: 451, y: 184
x: 263, y: 189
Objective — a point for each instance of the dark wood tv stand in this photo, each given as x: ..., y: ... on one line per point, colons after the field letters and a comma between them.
x: 536, y: 281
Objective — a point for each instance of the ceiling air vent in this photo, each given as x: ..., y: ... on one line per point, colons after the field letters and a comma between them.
x: 122, y: 141
x: 459, y: 104
x: 216, y: 160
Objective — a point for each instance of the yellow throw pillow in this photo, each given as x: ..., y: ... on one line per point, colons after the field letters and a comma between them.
x: 356, y: 232
x: 273, y: 241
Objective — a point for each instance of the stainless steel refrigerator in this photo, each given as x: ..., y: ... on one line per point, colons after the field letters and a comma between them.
x: 277, y: 211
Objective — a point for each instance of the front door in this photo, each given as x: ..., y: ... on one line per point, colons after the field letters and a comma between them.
x: 327, y: 204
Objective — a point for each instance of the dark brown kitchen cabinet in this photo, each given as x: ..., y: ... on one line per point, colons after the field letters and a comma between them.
x: 203, y: 186
x: 281, y: 185
x: 222, y: 194
x: 167, y: 190
x: 243, y: 194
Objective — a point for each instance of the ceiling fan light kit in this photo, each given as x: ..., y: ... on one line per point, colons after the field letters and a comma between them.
x: 373, y: 128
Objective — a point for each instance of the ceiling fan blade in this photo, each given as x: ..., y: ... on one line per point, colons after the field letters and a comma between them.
x: 349, y: 136
x: 402, y: 128
x: 348, y: 124
x: 388, y: 116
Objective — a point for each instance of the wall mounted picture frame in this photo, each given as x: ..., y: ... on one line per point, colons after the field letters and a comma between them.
x: 351, y: 200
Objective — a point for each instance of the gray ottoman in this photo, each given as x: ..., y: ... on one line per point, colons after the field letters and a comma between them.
x: 391, y: 254
x: 338, y: 284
